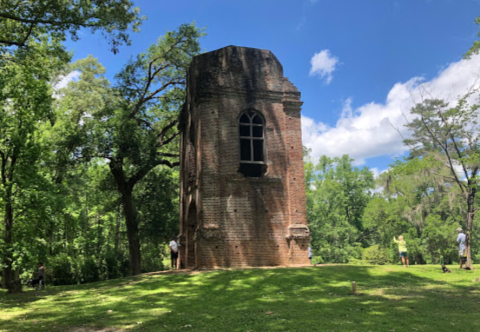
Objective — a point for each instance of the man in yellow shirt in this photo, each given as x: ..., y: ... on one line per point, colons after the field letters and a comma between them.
x: 402, y: 249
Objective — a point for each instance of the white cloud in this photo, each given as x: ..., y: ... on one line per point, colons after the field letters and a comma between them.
x: 63, y: 82
x: 375, y: 171
x: 368, y: 131
x: 323, y: 65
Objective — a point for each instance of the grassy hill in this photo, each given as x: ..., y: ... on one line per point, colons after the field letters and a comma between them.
x: 390, y: 298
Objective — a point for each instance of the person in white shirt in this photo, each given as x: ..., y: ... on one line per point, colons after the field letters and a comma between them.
x: 173, y: 252
x: 310, y: 254
x: 461, y: 247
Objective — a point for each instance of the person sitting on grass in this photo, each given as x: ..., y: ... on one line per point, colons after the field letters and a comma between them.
x: 402, y: 249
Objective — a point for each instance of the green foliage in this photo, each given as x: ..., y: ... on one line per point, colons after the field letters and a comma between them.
x: 375, y: 255
x: 418, y: 203
x: 24, y: 22
x: 475, y: 48
x: 438, y: 237
x: 132, y: 126
x: 449, y: 135
x: 25, y: 112
x: 59, y: 202
x: 337, y: 194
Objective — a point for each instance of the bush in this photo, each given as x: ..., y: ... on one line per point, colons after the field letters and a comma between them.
x: 317, y: 260
x: 375, y: 255
x: 61, y: 270
x: 115, y: 266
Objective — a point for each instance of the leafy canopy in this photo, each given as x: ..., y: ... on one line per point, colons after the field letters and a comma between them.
x: 23, y: 21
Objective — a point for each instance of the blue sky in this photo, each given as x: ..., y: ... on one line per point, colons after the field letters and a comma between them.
x: 358, y: 64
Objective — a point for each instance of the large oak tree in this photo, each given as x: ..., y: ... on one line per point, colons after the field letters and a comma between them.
x: 131, y: 125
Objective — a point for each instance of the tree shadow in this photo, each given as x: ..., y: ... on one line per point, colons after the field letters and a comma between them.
x: 284, y: 299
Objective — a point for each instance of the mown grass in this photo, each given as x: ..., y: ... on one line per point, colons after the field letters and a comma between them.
x: 390, y: 298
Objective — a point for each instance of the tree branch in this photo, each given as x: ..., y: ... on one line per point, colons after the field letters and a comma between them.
x: 446, y: 152
x: 165, y: 154
x: 53, y: 22
x: 163, y: 132
x: 449, y: 133
x: 171, y: 138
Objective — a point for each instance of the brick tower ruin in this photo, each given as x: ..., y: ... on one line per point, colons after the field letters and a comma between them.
x: 242, y: 193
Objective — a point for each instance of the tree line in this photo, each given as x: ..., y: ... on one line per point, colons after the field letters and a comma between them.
x: 425, y: 197
x: 88, y: 177
x: 87, y: 172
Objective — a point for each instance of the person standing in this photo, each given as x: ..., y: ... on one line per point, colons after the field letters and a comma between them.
x: 310, y: 254
x: 461, y: 247
x: 173, y: 253
x: 402, y: 249
x: 41, y: 275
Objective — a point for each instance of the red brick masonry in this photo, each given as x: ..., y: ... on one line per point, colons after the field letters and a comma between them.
x: 226, y: 218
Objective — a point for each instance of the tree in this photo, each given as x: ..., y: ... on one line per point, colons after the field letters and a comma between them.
x: 25, y: 106
x: 337, y: 194
x: 31, y: 56
x: 132, y: 125
x: 450, y: 136
x: 22, y: 22
x: 414, y: 201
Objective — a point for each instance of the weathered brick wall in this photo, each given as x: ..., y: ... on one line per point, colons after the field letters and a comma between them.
x: 239, y: 220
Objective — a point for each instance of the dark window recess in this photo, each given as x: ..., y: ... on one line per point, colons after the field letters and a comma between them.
x: 257, y: 120
x: 245, y: 119
x: 245, y: 150
x: 253, y: 170
x: 257, y: 131
x: 252, y: 144
x: 245, y: 131
x: 257, y: 150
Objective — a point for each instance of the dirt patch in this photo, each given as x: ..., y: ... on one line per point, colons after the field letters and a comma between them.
x: 380, y: 292
x: 324, y: 265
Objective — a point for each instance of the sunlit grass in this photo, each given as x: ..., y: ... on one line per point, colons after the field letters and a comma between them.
x: 420, y: 298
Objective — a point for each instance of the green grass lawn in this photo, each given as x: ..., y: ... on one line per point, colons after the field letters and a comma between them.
x: 390, y: 298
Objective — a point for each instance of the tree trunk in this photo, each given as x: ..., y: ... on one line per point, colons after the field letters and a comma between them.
x: 469, y: 226
x: 125, y: 189
x: 132, y: 232
x: 117, y: 232
x: 418, y: 258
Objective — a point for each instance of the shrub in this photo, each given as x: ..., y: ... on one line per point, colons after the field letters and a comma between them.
x: 61, y: 270
x: 375, y: 255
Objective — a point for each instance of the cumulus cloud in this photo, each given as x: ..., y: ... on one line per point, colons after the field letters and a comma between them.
x: 370, y: 130
x: 375, y: 171
x: 63, y: 82
x: 323, y: 65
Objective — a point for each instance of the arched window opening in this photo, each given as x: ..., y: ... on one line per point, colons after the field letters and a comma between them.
x: 252, y: 144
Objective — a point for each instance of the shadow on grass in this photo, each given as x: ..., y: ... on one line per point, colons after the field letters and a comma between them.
x: 305, y: 299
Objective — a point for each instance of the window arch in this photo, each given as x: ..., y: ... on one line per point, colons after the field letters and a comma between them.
x: 251, y: 128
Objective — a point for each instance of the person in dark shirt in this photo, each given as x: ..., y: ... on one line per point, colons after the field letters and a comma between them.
x: 41, y: 275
